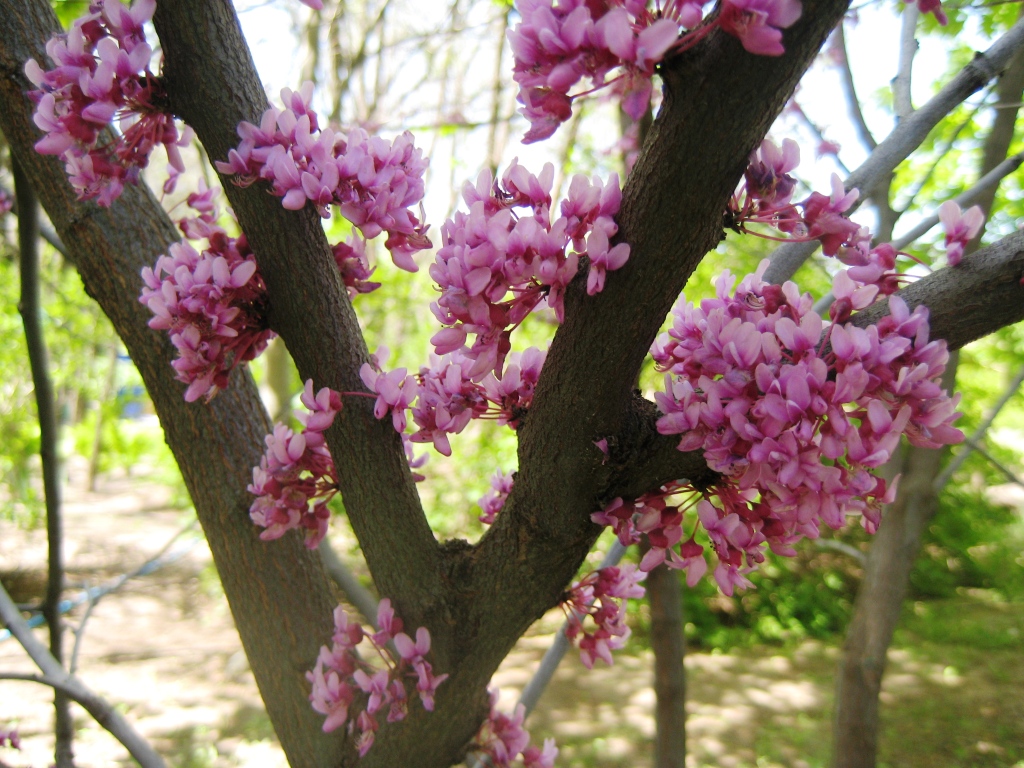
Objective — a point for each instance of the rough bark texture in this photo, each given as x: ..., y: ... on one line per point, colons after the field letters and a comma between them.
x: 279, y: 595
x: 475, y: 600
x: 669, y: 646
x: 894, y: 549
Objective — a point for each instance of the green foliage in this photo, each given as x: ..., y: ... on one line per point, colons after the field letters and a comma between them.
x: 810, y: 595
x: 69, y: 10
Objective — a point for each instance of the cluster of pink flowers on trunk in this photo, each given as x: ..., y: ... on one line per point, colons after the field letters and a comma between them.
x: 296, y: 472
x: 503, y: 738
x: 793, y: 415
x: 559, y: 42
x: 443, y: 398
x: 342, y: 675
x: 212, y: 302
x: 496, y: 265
x: 102, y: 73
x: 602, y: 595
x: 373, y: 181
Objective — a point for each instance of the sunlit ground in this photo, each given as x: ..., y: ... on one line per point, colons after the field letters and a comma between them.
x: 164, y: 647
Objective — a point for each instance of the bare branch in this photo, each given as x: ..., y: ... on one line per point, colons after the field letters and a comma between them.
x: 49, y: 440
x: 55, y: 676
x: 850, y: 91
x: 907, y: 136
x: 971, y: 443
x: 901, y: 84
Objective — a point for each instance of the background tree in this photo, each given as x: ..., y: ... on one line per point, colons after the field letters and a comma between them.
x: 475, y: 599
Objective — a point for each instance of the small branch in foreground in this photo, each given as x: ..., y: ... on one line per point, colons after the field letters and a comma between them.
x: 49, y: 441
x: 55, y: 676
x: 971, y: 442
x: 906, y: 137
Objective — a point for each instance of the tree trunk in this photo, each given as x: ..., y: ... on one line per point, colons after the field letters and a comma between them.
x: 892, y: 553
x: 664, y: 592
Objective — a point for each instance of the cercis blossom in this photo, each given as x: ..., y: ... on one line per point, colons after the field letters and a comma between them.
x: 961, y: 228
x: 344, y: 678
x: 558, y: 43
x: 502, y: 738
x: 795, y: 416
x: 296, y: 478
x: 497, y: 264
x: 102, y: 73
x: 212, y: 302
x: 602, y: 596
x: 373, y: 181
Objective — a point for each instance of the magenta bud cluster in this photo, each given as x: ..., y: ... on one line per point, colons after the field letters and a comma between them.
x: 601, y: 596
x: 373, y: 181
x: 102, y: 73
x: 794, y: 415
x: 492, y: 502
x: 296, y: 477
x: 212, y: 302
x: 496, y: 265
x: 349, y: 688
x: 443, y: 397
x: 503, y: 739
x: 560, y: 42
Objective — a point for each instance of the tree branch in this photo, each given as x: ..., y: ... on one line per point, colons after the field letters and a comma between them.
x: 49, y: 440
x: 850, y: 91
x: 215, y: 445
x: 59, y: 679
x: 906, y: 137
x: 213, y: 85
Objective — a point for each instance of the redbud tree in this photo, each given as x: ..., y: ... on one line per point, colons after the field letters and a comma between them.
x: 772, y: 422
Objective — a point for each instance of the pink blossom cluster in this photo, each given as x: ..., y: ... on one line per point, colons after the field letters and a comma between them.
x: 961, y: 228
x: 495, y: 265
x: 6, y: 202
x: 794, y: 416
x: 559, y: 42
x: 503, y: 738
x: 213, y: 302
x: 342, y: 674
x: 493, y: 501
x: 296, y: 472
x: 354, y: 266
x: 9, y: 738
x: 765, y: 197
x: 443, y: 398
x: 101, y: 73
x: 602, y: 595
x: 371, y: 180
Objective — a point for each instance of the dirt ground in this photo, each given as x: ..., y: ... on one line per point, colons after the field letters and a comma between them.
x: 163, y: 647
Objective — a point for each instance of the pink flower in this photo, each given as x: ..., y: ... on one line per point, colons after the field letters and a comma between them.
x: 212, y: 303
x: 757, y: 23
x: 373, y: 182
x: 341, y: 672
x: 960, y: 228
x: 102, y: 72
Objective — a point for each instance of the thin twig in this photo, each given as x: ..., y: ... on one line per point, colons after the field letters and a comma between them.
x: 906, y: 137
x: 901, y: 84
x: 55, y: 676
x: 850, y: 91
x: 1009, y: 474
x: 49, y: 441
x: 358, y: 595
x: 944, y: 477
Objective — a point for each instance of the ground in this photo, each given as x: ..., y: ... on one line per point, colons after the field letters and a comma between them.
x: 164, y: 648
